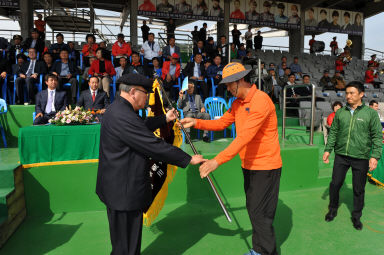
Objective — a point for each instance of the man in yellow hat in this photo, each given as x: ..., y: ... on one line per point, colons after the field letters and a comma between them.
x: 257, y: 143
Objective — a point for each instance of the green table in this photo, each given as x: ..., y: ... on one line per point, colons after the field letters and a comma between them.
x: 40, y: 144
x: 377, y: 175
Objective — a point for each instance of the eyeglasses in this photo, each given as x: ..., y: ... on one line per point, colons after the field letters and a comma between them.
x: 145, y: 92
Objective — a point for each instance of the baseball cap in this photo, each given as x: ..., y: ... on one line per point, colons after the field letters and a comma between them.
x: 233, y: 72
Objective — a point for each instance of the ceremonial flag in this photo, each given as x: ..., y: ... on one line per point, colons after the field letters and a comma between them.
x: 184, y: 87
x: 161, y: 173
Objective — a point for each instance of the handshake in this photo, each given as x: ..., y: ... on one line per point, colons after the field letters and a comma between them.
x: 206, y: 166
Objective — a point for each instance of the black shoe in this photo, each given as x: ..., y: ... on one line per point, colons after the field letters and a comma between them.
x: 330, y: 215
x: 206, y: 139
x: 357, y: 224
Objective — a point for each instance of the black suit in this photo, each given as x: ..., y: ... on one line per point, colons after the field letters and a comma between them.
x: 189, y: 71
x: 56, y: 67
x: 86, y: 101
x: 39, y: 46
x: 197, y: 50
x: 123, y: 180
x: 60, y: 103
x: 223, y: 49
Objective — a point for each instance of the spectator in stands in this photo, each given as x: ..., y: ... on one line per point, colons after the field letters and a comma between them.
x: 262, y: 68
x: 307, y: 80
x: 371, y: 75
x: 196, y: 71
x: 40, y: 26
x: 145, y: 29
x: 66, y: 71
x: 357, y: 26
x: 267, y: 15
x: 17, y: 68
x: 233, y: 51
x: 4, y: 44
x: 156, y: 68
x: 280, y: 17
x: 89, y: 49
x: 215, y: 71
x: 135, y: 66
x: 49, y: 101
x: 281, y: 70
x: 241, y: 53
x: 5, y: 69
x: 323, y: 19
x: 183, y: 7
x: 285, y: 78
x: 15, y: 48
x: 120, y: 49
x: 335, y: 21
x: 373, y: 61
x: 29, y: 75
x: 56, y: 48
x: 375, y: 106
x: 195, y: 35
x: 248, y: 37
x: 193, y: 106
x: 272, y: 65
x: 170, y: 74
x: 347, y: 22
x: 210, y: 49
x: 298, y: 91
x: 326, y: 82
x: 334, y: 46
x: 200, y: 9
x: 199, y: 48
x: 294, y: 18
x: 236, y: 36
x: 237, y: 13
x: 258, y: 41
x: 121, y: 67
x: 170, y: 49
x: 74, y: 54
x: 86, y: 70
x: 207, y: 64
x: 203, y: 32
x: 164, y: 6
x: 150, y: 50
x: 311, y: 21
x: 223, y: 49
x: 311, y: 42
x: 283, y: 60
x: 94, y: 98
x: 107, y: 53
x: 338, y: 81
x: 147, y: 6
x: 216, y: 10
x: 335, y: 106
x: 250, y: 59
x: 171, y: 29
x: 272, y: 85
x: 34, y: 42
x: 296, y: 68
x: 339, y: 64
x: 252, y: 14
x: 103, y: 69
x: 48, y: 60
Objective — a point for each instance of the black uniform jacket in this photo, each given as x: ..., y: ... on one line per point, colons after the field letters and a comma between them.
x: 126, y: 144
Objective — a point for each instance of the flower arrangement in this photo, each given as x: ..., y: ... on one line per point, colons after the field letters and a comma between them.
x: 77, y: 116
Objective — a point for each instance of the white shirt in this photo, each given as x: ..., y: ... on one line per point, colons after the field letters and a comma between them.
x: 53, y: 99
x: 93, y: 91
x: 31, y: 67
x: 196, y: 70
x: 149, y: 54
x: 171, y: 50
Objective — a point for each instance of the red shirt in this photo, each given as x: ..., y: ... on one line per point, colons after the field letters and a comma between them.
x: 311, y: 42
x: 369, y: 76
x: 40, y: 25
x: 147, y: 6
x: 86, y: 50
x: 109, y: 69
x: 334, y: 45
x: 340, y: 65
x: 237, y: 15
x: 330, y: 118
x: 376, y: 64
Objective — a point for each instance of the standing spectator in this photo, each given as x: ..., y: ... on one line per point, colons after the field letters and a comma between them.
x: 171, y: 29
x: 103, y: 69
x: 199, y: 48
x: 210, y: 49
x: 216, y: 10
x: 183, y: 7
x: 280, y: 17
x: 89, y: 49
x: 196, y: 71
x: 120, y: 49
x: 203, y: 33
x: 66, y: 71
x: 74, y: 54
x: 236, y: 36
x: 258, y: 41
x: 294, y: 18
x: 48, y: 60
x: 248, y: 38
x: 338, y: 81
x: 311, y: 42
x: 135, y: 66
x: 15, y: 48
x: 358, y: 146
x: 326, y: 81
x: 150, y: 50
x: 34, y: 42
x: 164, y: 6
x: 145, y: 31
x: 170, y: 49
x: 120, y: 69
x: 252, y: 14
x: 195, y: 35
x: 339, y: 64
x: 170, y: 74
x: 373, y: 61
x: 56, y: 48
x: 237, y: 13
x: 334, y: 46
x: 200, y: 9
x: 296, y: 68
x: 94, y: 98
x: 223, y: 49
x: 335, y: 106
x: 40, y: 26
x: 266, y: 15
x: 215, y: 71
x: 371, y: 75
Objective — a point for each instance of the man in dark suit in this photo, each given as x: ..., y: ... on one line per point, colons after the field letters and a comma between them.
x: 223, y: 49
x: 170, y: 49
x: 94, y: 98
x: 126, y: 144
x: 66, y: 70
x: 29, y: 75
x: 196, y: 71
x: 199, y: 48
x: 49, y: 101
x: 34, y: 42
x: 135, y: 66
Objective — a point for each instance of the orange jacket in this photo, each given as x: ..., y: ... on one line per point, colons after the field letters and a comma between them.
x: 166, y: 67
x: 86, y: 49
x: 257, y: 140
x: 124, y: 50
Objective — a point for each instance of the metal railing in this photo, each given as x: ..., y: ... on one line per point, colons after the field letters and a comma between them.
x: 368, y: 52
x: 312, y: 97
x: 183, y: 40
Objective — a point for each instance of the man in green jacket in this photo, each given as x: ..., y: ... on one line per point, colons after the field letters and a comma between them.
x: 356, y: 137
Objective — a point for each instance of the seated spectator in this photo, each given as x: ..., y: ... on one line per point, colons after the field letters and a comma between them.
x: 170, y: 49
x: 135, y: 66
x: 94, y: 98
x: 199, y: 48
x: 29, y: 75
x: 375, y: 106
x: 34, y: 42
x: 326, y: 82
x: 156, y: 67
x: 263, y: 69
x: 272, y: 85
x: 207, y: 64
x: 5, y: 69
x: 86, y: 70
x: 4, y: 44
x: 107, y: 53
x: 272, y: 66
x: 89, y: 49
x: 215, y: 71
x: 282, y: 69
x: 283, y: 61
x: 298, y: 91
x: 15, y: 48
x: 150, y: 50
x: 74, y: 54
x: 335, y: 106
x: 48, y: 60
x: 338, y: 81
x: 339, y: 64
x: 284, y: 79
x: 17, y: 68
x: 56, y: 48
x: 120, y: 69
x: 49, y: 101
x: 103, y: 69
x: 66, y: 71
x: 120, y: 49
x: 210, y: 49
x: 170, y: 74
x: 371, y: 75
x: 241, y: 53
x: 233, y: 51
x: 223, y: 49
x: 193, y: 107
x: 196, y: 71
x: 249, y: 59
x: 296, y: 68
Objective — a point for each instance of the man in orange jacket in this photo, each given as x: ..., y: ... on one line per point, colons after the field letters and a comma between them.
x: 257, y: 143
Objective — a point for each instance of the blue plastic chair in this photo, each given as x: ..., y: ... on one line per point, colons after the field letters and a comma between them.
x: 34, y: 116
x: 38, y: 85
x: 78, y: 86
x: 215, y: 106
x: 4, y: 89
x: 81, y: 61
x: 230, y: 101
x: 3, y: 111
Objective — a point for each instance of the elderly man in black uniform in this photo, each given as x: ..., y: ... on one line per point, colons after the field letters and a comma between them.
x: 126, y: 144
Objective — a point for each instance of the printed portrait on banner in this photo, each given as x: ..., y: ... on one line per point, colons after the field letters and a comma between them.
x: 293, y: 14
x: 147, y: 5
x: 358, y: 22
x: 200, y: 7
x: 323, y: 17
x: 346, y: 22
x: 183, y: 7
x: 311, y: 18
x: 265, y: 12
x: 281, y: 13
x: 216, y: 8
x: 252, y: 10
x: 334, y: 23
x: 237, y: 10
x: 165, y: 6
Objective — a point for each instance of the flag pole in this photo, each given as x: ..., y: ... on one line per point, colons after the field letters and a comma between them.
x: 165, y: 95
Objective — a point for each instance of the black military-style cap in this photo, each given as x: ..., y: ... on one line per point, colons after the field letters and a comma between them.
x: 136, y: 80
x: 17, y: 37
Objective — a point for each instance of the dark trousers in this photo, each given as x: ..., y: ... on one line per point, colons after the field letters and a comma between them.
x: 359, y: 178
x: 201, y: 87
x: 72, y: 90
x: 249, y: 44
x: 171, y: 91
x: 125, y: 228
x: 44, y: 119
x: 31, y: 88
x: 262, y: 191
